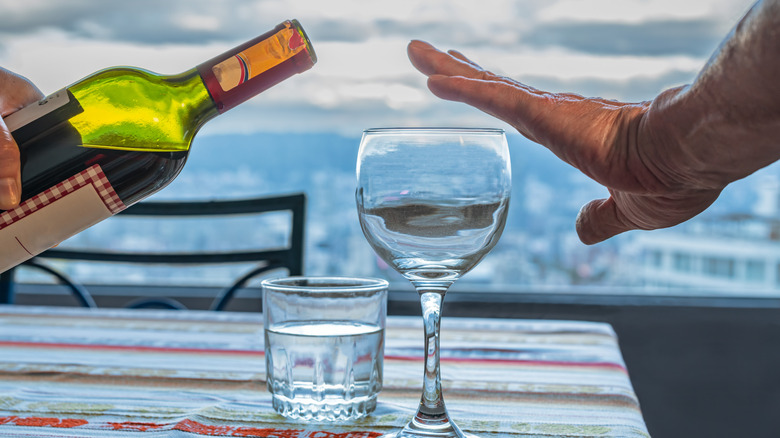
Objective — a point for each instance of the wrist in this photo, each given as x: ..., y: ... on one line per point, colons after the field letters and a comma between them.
x: 725, y: 125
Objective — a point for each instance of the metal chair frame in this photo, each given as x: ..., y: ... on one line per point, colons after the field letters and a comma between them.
x: 290, y: 257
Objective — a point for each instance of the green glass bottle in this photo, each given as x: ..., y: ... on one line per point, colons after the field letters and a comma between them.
x: 121, y: 134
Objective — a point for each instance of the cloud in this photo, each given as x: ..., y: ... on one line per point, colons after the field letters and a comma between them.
x: 270, y: 113
x: 620, y: 49
x: 138, y: 21
x: 321, y: 105
x: 331, y: 30
x: 639, y: 11
x: 200, y: 21
x: 698, y: 37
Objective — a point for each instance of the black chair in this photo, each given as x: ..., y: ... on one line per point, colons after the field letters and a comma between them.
x: 290, y: 257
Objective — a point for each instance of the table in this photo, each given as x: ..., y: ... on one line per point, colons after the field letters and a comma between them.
x: 71, y: 372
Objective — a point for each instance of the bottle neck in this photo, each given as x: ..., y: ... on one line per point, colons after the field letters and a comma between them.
x: 257, y: 65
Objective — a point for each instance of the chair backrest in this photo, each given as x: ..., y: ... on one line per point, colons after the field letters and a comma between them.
x: 264, y: 260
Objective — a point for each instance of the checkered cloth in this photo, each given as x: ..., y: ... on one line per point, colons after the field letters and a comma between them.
x: 93, y: 175
x: 139, y: 373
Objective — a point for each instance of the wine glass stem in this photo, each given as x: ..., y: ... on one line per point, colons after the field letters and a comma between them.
x: 432, y: 410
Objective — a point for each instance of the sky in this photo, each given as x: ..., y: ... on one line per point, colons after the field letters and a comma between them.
x: 618, y: 49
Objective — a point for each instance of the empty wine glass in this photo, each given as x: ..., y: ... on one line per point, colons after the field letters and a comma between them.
x: 432, y: 202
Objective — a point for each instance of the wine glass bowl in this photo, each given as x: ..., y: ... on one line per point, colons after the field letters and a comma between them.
x: 432, y: 202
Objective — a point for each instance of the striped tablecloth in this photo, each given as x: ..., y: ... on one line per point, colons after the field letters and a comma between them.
x: 138, y: 373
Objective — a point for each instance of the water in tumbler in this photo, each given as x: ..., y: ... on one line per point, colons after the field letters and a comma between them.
x: 324, y: 370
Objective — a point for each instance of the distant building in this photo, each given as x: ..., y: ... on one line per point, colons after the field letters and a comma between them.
x: 734, y: 255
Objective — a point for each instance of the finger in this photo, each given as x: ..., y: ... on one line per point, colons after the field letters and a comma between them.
x: 599, y: 220
x: 508, y: 101
x: 17, y: 92
x: 460, y: 56
x: 430, y: 60
x: 434, y: 62
x: 10, y: 175
x: 480, y: 73
x: 452, y: 76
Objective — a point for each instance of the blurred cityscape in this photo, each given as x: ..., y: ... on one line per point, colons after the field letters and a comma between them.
x: 732, y: 249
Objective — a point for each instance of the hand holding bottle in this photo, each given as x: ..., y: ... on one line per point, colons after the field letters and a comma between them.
x: 16, y: 92
x: 663, y: 161
x: 115, y: 137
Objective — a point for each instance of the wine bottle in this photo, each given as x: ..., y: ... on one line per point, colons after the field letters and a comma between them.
x: 121, y: 134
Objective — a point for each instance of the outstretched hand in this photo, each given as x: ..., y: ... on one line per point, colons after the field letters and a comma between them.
x: 620, y: 145
x: 16, y: 92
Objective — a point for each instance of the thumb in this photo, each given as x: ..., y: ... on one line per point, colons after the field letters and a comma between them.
x: 10, y: 176
x: 599, y: 220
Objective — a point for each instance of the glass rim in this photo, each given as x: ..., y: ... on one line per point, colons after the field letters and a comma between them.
x: 434, y: 130
x: 325, y: 284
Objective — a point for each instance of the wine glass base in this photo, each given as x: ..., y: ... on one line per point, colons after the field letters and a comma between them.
x: 404, y: 434
x: 415, y: 430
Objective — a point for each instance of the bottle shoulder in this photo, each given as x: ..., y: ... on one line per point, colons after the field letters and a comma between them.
x: 131, y: 84
x: 130, y: 108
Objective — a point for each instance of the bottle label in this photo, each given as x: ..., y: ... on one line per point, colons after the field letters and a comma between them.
x: 258, y: 58
x: 56, y: 214
x: 35, y: 111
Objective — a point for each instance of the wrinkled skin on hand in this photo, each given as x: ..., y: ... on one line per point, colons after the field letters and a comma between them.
x: 624, y: 146
x: 16, y: 92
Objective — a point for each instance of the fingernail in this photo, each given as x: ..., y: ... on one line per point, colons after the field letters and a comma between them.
x: 420, y: 44
x: 9, y: 192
